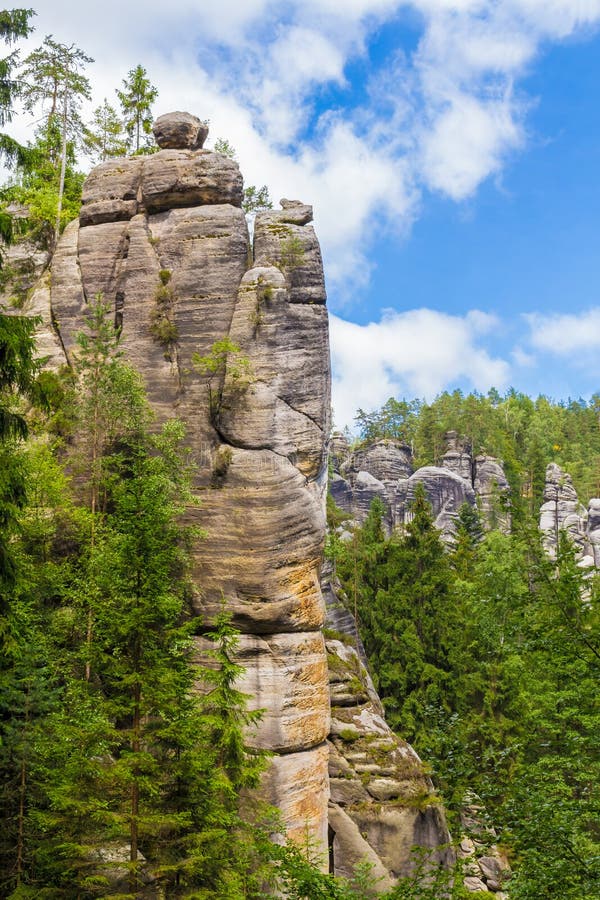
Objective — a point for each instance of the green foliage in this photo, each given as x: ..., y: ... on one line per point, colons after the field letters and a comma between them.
x: 487, y: 659
x: 397, y: 419
x: 225, y: 360
x: 291, y: 253
x: 105, y: 136
x: 162, y: 326
x: 37, y: 185
x: 430, y: 881
x: 14, y: 24
x: 136, y: 101
x: 256, y: 199
x: 53, y: 76
x: 225, y: 147
x: 114, y: 765
x: 19, y: 380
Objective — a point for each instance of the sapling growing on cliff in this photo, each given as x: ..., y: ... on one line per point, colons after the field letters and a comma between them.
x: 292, y: 253
x: 162, y: 326
x: 225, y: 360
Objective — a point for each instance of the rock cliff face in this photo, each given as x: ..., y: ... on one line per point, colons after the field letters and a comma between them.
x: 385, y: 469
x: 174, y: 220
x: 164, y: 240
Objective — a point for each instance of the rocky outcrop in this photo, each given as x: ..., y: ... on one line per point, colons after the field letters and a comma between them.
x: 446, y: 493
x: 385, y: 469
x: 492, y: 490
x: 561, y: 511
x: 119, y: 189
x: 593, y: 530
x: 173, y: 220
x: 164, y: 241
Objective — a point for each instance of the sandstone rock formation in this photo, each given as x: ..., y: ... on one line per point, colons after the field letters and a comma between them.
x: 259, y: 445
x: 260, y: 456
x: 385, y: 469
x: 561, y: 511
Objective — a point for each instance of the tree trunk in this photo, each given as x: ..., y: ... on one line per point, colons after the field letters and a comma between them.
x: 63, y: 167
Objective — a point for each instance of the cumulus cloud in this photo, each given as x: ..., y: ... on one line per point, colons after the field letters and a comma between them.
x: 565, y: 334
x: 443, y: 117
x: 417, y: 353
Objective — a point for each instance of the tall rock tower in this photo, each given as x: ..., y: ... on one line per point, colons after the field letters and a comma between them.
x: 164, y: 240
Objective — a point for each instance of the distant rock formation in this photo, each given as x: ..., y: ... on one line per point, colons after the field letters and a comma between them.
x: 562, y: 511
x: 385, y: 469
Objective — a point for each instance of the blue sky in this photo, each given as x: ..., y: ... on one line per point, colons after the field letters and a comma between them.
x: 451, y: 151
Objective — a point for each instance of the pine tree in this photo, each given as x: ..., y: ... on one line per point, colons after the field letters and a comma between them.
x: 14, y: 24
x: 53, y: 75
x: 18, y: 379
x: 469, y: 533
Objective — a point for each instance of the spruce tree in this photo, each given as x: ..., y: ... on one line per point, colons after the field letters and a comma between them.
x: 136, y: 101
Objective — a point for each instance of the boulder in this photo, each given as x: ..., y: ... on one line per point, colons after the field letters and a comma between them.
x: 179, y: 131
x: 110, y: 192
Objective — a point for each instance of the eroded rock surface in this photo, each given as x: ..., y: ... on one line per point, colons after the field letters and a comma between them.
x: 179, y: 130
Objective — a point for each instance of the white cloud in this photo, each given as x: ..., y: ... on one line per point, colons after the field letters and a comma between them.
x: 522, y: 358
x: 467, y: 142
x: 415, y: 353
x: 444, y: 118
x: 566, y: 334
